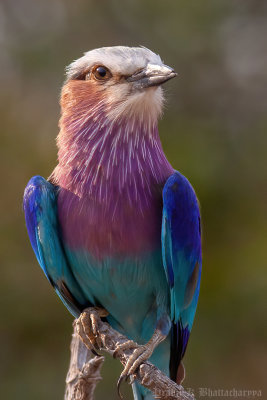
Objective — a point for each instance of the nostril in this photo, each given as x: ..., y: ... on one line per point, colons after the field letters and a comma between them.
x: 140, y: 73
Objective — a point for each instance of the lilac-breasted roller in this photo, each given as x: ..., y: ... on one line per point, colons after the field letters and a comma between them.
x: 115, y: 226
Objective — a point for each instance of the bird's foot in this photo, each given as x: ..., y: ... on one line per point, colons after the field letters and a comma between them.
x: 141, y: 354
x: 87, y: 326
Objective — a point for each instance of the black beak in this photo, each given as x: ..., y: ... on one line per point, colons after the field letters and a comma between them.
x: 152, y: 75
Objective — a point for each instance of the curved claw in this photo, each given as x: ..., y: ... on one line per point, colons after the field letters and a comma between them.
x: 124, y: 378
x: 140, y: 354
x: 95, y: 353
x: 121, y: 379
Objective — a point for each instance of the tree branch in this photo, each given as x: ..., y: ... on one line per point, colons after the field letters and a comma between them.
x: 84, y: 370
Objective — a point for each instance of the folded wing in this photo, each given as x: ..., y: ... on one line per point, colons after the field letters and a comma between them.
x: 40, y: 208
x: 181, y: 250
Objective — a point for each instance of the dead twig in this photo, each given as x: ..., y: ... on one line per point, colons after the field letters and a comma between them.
x: 84, y: 369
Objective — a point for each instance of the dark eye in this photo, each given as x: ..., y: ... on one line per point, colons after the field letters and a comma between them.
x: 101, y: 73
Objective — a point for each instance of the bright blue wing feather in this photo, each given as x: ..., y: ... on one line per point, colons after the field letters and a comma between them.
x: 181, y: 250
x: 40, y: 208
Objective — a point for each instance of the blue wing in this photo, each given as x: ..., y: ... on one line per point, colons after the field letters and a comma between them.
x: 40, y: 208
x: 181, y: 250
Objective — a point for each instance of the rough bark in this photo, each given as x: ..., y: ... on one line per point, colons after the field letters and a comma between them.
x: 84, y: 370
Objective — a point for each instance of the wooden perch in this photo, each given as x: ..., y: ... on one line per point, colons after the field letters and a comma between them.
x: 84, y: 369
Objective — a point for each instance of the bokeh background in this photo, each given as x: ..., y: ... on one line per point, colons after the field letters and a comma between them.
x: 213, y: 131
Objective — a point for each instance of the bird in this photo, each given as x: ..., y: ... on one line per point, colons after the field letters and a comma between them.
x: 115, y: 226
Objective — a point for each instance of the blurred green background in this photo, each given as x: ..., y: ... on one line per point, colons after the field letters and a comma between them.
x: 213, y: 131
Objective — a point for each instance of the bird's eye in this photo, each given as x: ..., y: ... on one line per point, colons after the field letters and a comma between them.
x: 101, y: 73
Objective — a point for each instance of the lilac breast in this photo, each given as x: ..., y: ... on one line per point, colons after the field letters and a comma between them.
x: 103, y: 231
x: 111, y: 180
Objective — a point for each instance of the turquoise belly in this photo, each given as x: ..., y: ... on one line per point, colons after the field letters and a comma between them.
x: 131, y: 290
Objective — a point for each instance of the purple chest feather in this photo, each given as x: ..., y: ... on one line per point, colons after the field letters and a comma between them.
x: 111, y: 176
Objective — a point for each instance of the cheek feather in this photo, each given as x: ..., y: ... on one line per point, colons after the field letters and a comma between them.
x: 80, y: 101
x: 79, y: 95
x: 82, y: 105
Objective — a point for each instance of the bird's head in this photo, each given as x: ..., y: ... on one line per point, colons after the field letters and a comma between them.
x: 116, y: 81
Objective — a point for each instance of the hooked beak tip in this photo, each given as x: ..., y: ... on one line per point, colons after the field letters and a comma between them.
x: 173, y: 74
